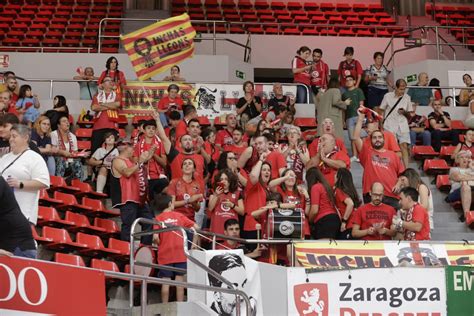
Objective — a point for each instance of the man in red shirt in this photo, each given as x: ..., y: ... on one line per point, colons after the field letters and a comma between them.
x: 251, y: 156
x: 238, y: 146
x: 105, y: 104
x: 171, y: 102
x: 412, y: 221
x: 329, y: 158
x: 328, y: 128
x: 153, y: 171
x: 190, y: 113
x: 319, y: 72
x: 372, y: 221
x: 379, y: 164
x: 232, y: 229
x: 224, y: 136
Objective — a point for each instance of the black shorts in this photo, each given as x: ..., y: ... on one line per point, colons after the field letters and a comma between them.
x: 326, y: 227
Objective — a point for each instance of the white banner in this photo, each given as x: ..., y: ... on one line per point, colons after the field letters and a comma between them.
x: 391, y: 292
x: 233, y: 265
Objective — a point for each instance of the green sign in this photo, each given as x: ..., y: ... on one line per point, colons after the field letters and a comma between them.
x: 411, y: 78
x: 460, y: 290
x: 240, y: 74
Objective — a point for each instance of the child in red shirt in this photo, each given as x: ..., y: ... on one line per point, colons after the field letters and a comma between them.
x: 170, y: 244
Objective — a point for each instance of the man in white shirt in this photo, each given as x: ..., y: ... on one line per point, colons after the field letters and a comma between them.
x: 394, y: 108
x: 25, y: 172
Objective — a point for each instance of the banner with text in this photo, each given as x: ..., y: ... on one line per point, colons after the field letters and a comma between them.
x: 395, y: 291
x: 460, y: 290
x: 361, y: 254
x: 234, y: 266
x: 39, y: 287
x: 210, y: 99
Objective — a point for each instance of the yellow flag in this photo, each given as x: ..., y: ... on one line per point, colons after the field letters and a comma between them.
x: 157, y: 47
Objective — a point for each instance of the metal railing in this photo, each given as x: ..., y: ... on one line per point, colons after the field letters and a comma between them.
x: 49, y: 49
x: 133, y: 235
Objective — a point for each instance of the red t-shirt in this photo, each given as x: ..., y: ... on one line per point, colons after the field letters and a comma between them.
x: 224, y: 137
x: 171, y: 243
x: 383, y: 167
x: 368, y: 214
x: 179, y: 188
x: 390, y: 142
x: 166, y: 103
x: 319, y: 74
x: 221, y: 214
x: 313, y: 147
x: 102, y: 119
x: 340, y: 197
x: 418, y: 215
x: 255, y: 197
x: 345, y: 69
x: 330, y: 173
x: 319, y: 197
x: 302, y: 77
x: 299, y: 201
x: 212, y: 151
x: 181, y: 129
x: 154, y: 168
x: 119, y: 77
x: 177, y: 171
x: 277, y: 161
x: 224, y: 245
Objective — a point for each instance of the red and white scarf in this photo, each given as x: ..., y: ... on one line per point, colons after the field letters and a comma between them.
x: 62, y: 144
x: 143, y: 175
x: 409, y: 235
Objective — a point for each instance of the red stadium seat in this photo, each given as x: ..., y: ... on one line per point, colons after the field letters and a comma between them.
x: 38, y: 238
x: 70, y: 203
x: 305, y: 122
x: 446, y: 152
x: 458, y: 124
x: 58, y: 183
x: 442, y: 183
x: 327, y: 6
x: 435, y: 166
x: 73, y: 260
x: 311, y: 6
x: 424, y: 152
x: 98, y: 208
x: 104, y: 265
x: 83, y: 144
x: 80, y: 223
x: 111, y: 227
x: 121, y: 246
x: 46, y: 200
x: 48, y: 216
x: 94, y: 246
x: 86, y: 190
x: 293, y: 6
x: 84, y: 133
x: 469, y: 216
x: 61, y: 240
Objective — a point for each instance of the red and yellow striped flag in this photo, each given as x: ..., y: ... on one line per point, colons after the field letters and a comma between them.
x: 157, y: 47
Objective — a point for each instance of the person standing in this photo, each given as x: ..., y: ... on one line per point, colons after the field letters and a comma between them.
x: 329, y: 104
x: 319, y: 72
x: 25, y: 172
x: 356, y: 95
x: 106, y: 105
x: 124, y: 190
x: 249, y: 106
x: 394, y: 108
x: 301, y: 74
x: 117, y: 77
x: 349, y: 67
x: 376, y: 75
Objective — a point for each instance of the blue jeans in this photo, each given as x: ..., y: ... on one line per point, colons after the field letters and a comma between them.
x: 129, y: 212
x: 301, y: 93
x: 29, y: 253
x: 163, y: 119
x: 51, y: 165
x: 425, y: 136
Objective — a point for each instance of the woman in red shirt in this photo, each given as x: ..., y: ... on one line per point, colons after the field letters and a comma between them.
x: 293, y: 194
x: 323, y: 214
x: 113, y: 72
x: 301, y: 74
x: 347, y: 201
x: 228, y: 160
x: 226, y: 202
x: 187, y: 192
x: 171, y: 102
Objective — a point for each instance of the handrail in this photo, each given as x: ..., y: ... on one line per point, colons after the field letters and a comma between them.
x: 133, y: 235
x: 449, y: 45
x: 42, y: 48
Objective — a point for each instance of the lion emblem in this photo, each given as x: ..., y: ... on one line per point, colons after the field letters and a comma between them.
x: 315, y: 305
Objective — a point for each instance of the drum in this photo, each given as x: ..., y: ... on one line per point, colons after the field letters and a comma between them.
x: 147, y: 255
x: 285, y: 224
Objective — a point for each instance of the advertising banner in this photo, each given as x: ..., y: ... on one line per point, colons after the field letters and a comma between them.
x: 381, y: 292
x: 210, y: 99
x: 242, y: 271
x: 460, y: 290
x: 38, y: 287
x: 361, y: 254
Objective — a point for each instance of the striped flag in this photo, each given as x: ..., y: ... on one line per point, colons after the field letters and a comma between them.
x: 157, y: 47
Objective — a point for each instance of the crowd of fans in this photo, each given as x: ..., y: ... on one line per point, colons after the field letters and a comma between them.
x: 229, y: 180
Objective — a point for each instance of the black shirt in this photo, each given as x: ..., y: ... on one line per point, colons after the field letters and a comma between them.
x: 250, y: 110
x: 15, y: 230
x: 41, y: 142
x: 279, y: 105
x: 438, y: 118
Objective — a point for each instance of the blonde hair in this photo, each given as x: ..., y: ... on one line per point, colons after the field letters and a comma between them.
x: 37, y: 125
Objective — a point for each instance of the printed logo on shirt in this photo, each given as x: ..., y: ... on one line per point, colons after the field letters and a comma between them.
x: 382, y: 162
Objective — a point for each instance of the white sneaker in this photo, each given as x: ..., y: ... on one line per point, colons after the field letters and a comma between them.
x: 354, y: 159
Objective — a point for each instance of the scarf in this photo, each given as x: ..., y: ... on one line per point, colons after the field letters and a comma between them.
x: 409, y: 235
x: 143, y: 174
x: 62, y: 144
x: 103, y: 98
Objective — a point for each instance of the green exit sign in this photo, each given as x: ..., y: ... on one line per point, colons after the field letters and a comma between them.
x: 412, y: 78
x: 240, y: 74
